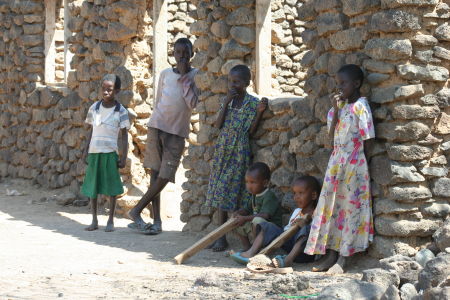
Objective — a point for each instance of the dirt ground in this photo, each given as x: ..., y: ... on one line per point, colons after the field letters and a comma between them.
x: 46, y: 254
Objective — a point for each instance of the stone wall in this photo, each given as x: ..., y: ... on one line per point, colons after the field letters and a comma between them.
x: 42, y: 129
x: 403, y: 46
x: 287, y: 49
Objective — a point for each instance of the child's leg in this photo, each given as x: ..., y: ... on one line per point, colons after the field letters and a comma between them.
x: 245, y: 241
x: 338, y: 267
x: 94, y: 224
x: 257, y: 245
x: 327, y: 261
x: 296, y: 251
x: 155, y: 188
x: 221, y: 244
x: 112, y: 208
x: 156, y: 203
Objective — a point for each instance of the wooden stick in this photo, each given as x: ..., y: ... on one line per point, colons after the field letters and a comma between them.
x: 285, y: 236
x: 206, y: 240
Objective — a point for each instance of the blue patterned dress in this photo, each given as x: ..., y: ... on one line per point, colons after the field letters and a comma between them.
x: 232, y: 158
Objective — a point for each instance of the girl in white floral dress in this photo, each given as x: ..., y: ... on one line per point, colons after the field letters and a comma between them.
x: 342, y: 223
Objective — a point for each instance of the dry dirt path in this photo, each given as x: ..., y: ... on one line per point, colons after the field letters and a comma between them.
x: 46, y: 254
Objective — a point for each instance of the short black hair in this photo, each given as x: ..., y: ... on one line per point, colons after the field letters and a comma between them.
x: 262, y: 169
x: 310, y: 181
x: 113, y: 78
x: 185, y: 42
x: 244, y: 72
x: 353, y: 71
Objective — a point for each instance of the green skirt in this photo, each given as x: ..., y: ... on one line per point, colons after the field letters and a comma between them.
x: 102, y: 175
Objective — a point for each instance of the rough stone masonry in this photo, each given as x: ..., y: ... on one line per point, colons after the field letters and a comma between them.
x: 403, y: 46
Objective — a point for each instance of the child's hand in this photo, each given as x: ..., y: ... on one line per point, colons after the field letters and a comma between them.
x: 183, y: 67
x: 335, y: 98
x: 84, y: 158
x: 262, y: 106
x: 231, y: 94
x: 240, y: 220
x: 121, y: 163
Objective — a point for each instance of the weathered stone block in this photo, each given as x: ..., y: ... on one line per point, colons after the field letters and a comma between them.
x: 441, y: 52
x: 330, y: 22
x: 396, y: 93
x: 352, y: 38
x: 434, y: 171
x: 427, y: 73
x: 390, y: 226
x: 233, y: 49
x: 443, y: 125
x: 442, y: 32
x: 388, y: 206
x: 243, y: 35
x: 241, y: 16
x: 356, y: 7
x: 405, y: 172
x: 220, y: 29
x: 438, y: 210
x: 231, y: 4
x: 408, y: 153
x: 409, y: 193
x: 377, y: 78
x: 408, y: 112
x: 388, y: 49
x: 441, y: 187
x: 378, y: 66
x: 394, y: 21
x: 412, y: 131
x: 229, y: 64
x: 402, y: 3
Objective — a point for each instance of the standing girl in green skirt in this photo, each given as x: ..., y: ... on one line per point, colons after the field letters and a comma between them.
x: 107, y: 118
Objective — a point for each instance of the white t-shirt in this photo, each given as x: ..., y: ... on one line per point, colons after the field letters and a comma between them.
x: 295, y: 215
x: 106, y: 124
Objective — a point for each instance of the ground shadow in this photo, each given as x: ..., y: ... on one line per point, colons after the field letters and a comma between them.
x: 69, y: 220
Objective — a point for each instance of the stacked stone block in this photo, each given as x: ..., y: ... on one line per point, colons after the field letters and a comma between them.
x: 287, y: 49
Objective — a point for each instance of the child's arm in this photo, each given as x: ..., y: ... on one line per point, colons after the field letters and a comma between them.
x: 86, y: 148
x: 190, y: 91
x: 224, y: 108
x: 334, y: 100
x: 123, y: 148
x: 262, y: 106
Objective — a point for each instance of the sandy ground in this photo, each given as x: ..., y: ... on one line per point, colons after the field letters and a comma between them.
x: 46, y: 254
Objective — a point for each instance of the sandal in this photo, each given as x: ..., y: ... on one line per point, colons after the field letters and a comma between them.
x: 278, y: 261
x: 135, y: 226
x: 239, y: 259
x: 152, y: 229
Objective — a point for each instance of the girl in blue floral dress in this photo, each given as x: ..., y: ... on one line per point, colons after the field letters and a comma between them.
x: 238, y: 118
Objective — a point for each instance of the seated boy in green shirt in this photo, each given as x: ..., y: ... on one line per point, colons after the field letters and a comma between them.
x: 263, y: 207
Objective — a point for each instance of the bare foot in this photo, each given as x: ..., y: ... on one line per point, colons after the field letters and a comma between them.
x: 92, y: 227
x: 246, y: 254
x: 329, y: 260
x: 220, y: 245
x: 136, y: 219
x: 338, y: 267
x: 109, y: 227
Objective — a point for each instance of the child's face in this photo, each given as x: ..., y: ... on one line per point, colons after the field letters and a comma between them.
x: 182, y: 53
x: 254, y: 184
x: 236, y: 82
x: 108, y: 90
x: 346, y: 85
x: 303, y: 194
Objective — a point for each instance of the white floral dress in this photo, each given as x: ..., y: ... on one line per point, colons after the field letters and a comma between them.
x: 342, y: 220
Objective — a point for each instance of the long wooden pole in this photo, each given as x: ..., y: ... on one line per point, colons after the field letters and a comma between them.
x: 205, y: 241
x: 286, y: 235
